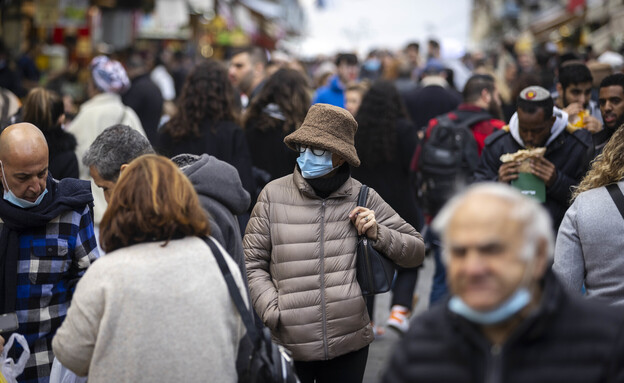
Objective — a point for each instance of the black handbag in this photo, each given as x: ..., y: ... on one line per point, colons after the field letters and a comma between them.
x: 267, y: 362
x: 375, y: 272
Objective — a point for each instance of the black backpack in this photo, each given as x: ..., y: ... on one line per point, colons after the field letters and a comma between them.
x: 448, y: 159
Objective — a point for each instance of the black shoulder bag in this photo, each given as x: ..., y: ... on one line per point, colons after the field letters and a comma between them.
x: 617, y: 197
x: 375, y: 272
x: 268, y: 362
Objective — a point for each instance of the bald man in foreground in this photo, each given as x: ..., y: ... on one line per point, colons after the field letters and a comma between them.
x: 46, y: 242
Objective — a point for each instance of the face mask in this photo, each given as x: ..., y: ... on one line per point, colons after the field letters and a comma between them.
x: 313, y: 166
x: 13, y: 199
x: 506, y: 310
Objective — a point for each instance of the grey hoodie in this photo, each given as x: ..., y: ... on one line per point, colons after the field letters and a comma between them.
x: 222, y: 196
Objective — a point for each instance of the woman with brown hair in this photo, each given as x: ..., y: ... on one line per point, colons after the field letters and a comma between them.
x: 207, y: 122
x: 591, y: 236
x: 44, y: 109
x: 157, y: 307
x: 277, y: 110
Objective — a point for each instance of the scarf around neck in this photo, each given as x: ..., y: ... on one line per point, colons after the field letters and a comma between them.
x: 67, y: 194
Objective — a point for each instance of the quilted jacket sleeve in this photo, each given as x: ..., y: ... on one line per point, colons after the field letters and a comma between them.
x: 257, y: 247
x: 396, y: 239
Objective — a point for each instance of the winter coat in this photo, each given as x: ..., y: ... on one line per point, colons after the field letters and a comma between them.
x: 391, y: 179
x: 565, y: 340
x: 221, y: 194
x: 224, y: 140
x: 268, y: 150
x: 569, y: 152
x: 589, y: 247
x: 63, y: 162
x: 153, y: 313
x: 300, y: 256
x: 332, y: 94
x: 429, y: 101
x: 145, y: 99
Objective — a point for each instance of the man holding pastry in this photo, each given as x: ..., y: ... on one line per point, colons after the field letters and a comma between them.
x: 538, y: 153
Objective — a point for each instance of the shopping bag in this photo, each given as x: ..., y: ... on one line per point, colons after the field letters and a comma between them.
x: 62, y: 374
x: 9, y: 370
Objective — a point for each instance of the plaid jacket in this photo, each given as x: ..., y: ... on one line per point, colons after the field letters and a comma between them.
x: 52, y: 258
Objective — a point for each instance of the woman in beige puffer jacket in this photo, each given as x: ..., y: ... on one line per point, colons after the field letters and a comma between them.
x: 300, y: 250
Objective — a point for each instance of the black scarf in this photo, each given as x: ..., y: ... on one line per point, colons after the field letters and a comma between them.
x: 323, y: 187
x: 67, y: 194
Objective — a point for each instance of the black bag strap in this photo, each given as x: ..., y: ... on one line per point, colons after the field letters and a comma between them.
x: 363, y: 196
x: 233, y: 289
x: 617, y: 197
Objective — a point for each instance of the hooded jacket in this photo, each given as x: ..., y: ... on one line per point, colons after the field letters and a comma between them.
x: 569, y: 152
x: 300, y: 253
x: 222, y: 195
x: 332, y: 93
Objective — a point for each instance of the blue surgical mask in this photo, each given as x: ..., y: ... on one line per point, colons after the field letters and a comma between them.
x: 516, y: 302
x: 313, y: 166
x: 19, y: 202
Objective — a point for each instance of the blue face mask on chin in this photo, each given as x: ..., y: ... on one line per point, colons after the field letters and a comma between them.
x: 313, y: 166
x: 19, y: 202
x: 516, y: 302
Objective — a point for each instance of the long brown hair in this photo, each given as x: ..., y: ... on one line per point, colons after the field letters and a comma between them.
x: 288, y: 89
x: 607, y: 168
x: 152, y: 201
x: 207, y: 96
x: 43, y: 108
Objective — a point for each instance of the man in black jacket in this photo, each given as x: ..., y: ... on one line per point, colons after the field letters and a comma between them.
x: 508, y: 319
x: 538, y: 124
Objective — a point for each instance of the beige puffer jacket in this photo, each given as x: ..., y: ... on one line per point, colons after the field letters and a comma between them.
x: 300, y: 257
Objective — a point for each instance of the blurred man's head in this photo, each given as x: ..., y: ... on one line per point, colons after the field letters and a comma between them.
x: 412, y: 51
x: 535, y: 116
x: 611, y: 100
x: 111, y: 152
x: 480, y: 90
x: 575, y: 84
x: 347, y: 67
x: 497, y: 242
x: 24, y: 164
x: 246, y: 70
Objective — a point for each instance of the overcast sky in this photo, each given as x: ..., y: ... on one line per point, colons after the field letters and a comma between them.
x: 360, y: 25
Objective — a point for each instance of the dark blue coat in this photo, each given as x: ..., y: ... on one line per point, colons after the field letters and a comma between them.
x: 565, y: 340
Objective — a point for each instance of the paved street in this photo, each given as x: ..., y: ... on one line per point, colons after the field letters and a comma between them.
x: 381, y: 348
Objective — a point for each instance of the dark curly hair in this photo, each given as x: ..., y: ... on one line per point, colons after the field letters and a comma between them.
x: 376, y: 137
x: 207, y: 95
x: 288, y: 89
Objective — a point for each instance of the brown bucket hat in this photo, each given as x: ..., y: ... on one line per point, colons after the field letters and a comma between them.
x: 327, y: 127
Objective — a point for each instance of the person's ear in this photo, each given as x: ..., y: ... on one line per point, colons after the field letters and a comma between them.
x: 541, y: 259
x: 122, y: 168
x: 486, y: 96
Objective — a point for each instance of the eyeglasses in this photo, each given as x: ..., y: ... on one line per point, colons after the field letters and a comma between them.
x: 316, y: 151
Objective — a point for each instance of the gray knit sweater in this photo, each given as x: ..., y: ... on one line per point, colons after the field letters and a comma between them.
x: 590, y: 247
x: 148, y: 313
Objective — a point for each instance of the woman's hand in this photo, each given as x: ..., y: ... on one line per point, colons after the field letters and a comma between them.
x: 364, y: 221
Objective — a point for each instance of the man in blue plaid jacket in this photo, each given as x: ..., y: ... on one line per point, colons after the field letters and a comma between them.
x: 46, y: 242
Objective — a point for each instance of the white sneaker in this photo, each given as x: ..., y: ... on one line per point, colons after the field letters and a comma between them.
x: 399, y: 319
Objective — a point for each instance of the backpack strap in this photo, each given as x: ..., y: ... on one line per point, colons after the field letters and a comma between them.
x: 617, y: 197
x: 233, y: 289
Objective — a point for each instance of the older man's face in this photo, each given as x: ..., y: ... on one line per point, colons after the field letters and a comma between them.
x: 483, y: 245
x: 26, y: 171
x: 106, y: 185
